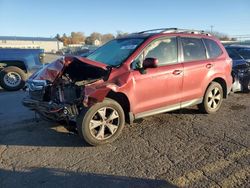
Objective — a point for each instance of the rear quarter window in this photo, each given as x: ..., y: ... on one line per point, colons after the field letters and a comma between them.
x: 213, y: 48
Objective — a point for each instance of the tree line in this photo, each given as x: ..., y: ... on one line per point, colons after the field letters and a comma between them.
x: 80, y: 38
x: 223, y: 36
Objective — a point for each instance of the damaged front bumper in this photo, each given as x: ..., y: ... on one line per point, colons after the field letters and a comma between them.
x: 241, y: 81
x: 50, y: 110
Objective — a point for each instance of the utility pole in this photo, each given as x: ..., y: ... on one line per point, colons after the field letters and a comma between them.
x: 211, y: 26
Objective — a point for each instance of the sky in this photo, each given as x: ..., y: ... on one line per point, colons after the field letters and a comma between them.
x: 46, y: 18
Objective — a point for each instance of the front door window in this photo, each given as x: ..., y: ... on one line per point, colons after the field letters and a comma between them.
x: 165, y: 50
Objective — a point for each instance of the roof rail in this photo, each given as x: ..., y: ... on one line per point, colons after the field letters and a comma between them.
x: 175, y: 30
x: 161, y: 30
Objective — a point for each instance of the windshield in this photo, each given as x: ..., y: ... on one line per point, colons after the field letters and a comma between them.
x: 245, y: 53
x: 233, y: 54
x: 116, y: 51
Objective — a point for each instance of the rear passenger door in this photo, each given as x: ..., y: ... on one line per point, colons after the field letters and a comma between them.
x: 196, y: 69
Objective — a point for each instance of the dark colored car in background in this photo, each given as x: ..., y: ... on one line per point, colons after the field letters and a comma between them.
x: 241, y: 67
x: 132, y: 77
x: 78, y: 51
x: 16, y: 65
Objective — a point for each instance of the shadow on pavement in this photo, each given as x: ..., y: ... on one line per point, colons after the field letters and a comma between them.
x: 46, y: 177
x: 40, y: 134
x: 186, y: 111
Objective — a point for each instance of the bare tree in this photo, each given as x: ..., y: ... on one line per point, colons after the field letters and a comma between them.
x: 220, y: 35
x: 58, y: 37
x: 77, y: 37
x: 120, y: 34
x: 107, y: 37
x: 65, y: 40
x: 94, y: 36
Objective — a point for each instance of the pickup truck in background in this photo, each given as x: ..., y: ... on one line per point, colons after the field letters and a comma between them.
x: 16, y: 65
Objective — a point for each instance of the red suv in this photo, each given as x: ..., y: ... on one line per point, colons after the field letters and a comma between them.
x: 132, y: 77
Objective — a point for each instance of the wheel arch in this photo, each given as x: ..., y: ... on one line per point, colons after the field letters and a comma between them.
x: 123, y: 100
x: 15, y: 63
x: 223, y: 84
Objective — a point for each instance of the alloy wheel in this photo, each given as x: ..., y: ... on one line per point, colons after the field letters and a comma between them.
x: 214, y: 98
x: 12, y: 79
x: 104, y: 123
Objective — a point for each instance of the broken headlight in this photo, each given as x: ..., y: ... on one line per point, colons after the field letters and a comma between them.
x: 36, y: 85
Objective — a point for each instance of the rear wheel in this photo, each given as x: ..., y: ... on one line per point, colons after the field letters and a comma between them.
x: 212, y: 99
x: 12, y: 78
x: 102, y: 123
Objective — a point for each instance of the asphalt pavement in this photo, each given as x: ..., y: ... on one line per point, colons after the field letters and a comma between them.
x: 179, y: 149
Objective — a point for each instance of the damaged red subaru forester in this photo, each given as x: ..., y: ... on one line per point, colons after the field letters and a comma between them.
x: 131, y: 77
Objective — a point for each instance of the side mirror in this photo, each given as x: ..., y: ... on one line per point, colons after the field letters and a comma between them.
x: 150, y: 63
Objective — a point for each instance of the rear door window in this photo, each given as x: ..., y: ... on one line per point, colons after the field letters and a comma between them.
x: 213, y: 48
x: 193, y: 49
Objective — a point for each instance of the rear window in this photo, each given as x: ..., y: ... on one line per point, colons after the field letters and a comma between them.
x: 213, y: 48
x: 193, y: 49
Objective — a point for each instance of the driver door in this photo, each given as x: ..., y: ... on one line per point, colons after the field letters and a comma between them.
x: 158, y: 89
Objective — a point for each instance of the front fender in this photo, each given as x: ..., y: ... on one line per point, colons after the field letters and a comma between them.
x: 96, y: 92
x: 94, y: 95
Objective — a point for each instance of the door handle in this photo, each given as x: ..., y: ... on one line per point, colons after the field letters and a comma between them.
x: 209, y: 65
x: 177, y: 72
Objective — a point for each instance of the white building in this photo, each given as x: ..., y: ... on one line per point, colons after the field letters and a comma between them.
x: 48, y: 44
x: 97, y: 42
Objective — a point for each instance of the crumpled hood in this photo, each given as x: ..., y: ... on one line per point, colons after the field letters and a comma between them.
x: 53, y: 70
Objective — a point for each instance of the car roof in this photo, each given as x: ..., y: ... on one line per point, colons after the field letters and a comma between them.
x: 167, y: 32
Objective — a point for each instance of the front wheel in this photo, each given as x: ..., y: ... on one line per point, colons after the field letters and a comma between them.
x: 212, y: 99
x: 102, y: 123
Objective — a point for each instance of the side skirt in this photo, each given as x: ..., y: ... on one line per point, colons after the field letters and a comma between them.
x: 168, y: 108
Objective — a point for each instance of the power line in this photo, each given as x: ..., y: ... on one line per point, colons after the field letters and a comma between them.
x: 246, y: 35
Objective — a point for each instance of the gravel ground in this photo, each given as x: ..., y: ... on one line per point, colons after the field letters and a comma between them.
x: 179, y: 149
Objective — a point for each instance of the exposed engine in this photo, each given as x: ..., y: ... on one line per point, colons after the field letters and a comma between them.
x: 58, y: 101
x: 62, y: 99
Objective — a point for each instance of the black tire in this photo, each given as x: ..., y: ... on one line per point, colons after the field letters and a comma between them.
x: 212, y: 104
x: 16, y: 71
x: 87, y: 115
x: 246, y: 86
